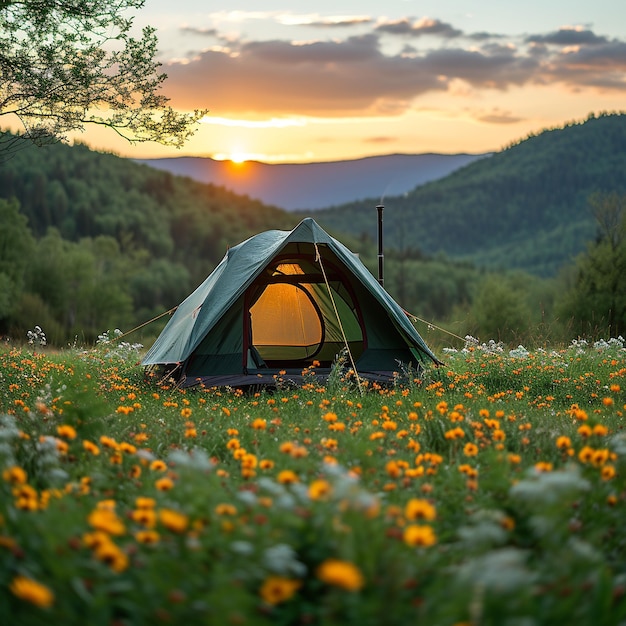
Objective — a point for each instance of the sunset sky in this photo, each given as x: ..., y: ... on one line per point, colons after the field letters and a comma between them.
x: 289, y: 81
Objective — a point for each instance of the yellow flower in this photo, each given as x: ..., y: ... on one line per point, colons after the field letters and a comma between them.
x: 173, y: 520
x: 608, y: 472
x: 31, y: 591
x: 416, y: 535
x: 106, y: 520
x: 470, y: 449
x: 225, y: 509
x: 341, y: 574
x: 66, y: 431
x: 164, y: 484
x: 149, y: 537
x: 145, y: 517
x: 277, y: 589
x: 319, y: 489
x: 259, y: 424
x: 158, y: 466
x: 287, y: 477
x: 14, y: 475
x: 186, y: 412
x: 417, y: 508
x: 112, y: 555
x: 563, y: 442
x: 91, y: 447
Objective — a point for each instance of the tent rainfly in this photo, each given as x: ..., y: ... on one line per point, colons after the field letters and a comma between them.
x: 281, y: 302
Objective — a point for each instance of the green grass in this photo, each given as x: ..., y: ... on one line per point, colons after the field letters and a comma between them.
x: 491, y: 491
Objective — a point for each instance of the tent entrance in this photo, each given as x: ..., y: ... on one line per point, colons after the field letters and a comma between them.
x: 291, y: 318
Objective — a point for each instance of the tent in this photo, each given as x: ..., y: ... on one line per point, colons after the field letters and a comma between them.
x: 281, y: 302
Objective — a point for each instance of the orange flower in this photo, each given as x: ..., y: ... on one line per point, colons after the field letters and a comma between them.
x: 319, y: 489
x: 31, y: 591
x: 278, y: 589
x: 66, y: 431
x: 416, y: 535
x: 341, y: 574
x: 470, y: 449
x: 287, y: 477
x: 417, y: 508
x: 173, y: 520
x: 14, y: 475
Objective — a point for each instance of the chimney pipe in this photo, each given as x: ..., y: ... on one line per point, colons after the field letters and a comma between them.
x: 381, y: 256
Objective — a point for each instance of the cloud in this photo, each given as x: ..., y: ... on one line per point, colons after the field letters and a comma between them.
x: 497, y: 116
x: 359, y: 76
x: 568, y: 37
x: 418, y: 28
x: 204, y: 32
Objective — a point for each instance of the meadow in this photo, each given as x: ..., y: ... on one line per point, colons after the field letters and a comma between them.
x: 488, y: 491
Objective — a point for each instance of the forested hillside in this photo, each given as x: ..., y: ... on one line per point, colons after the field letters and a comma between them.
x: 108, y: 242
x: 525, y: 207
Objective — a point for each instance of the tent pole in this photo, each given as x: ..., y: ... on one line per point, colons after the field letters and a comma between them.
x: 381, y: 256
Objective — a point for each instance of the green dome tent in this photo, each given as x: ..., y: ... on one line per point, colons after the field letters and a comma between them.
x: 282, y: 302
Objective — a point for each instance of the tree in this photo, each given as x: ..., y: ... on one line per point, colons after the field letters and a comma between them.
x: 16, y: 247
x: 68, y: 63
x: 596, y: 297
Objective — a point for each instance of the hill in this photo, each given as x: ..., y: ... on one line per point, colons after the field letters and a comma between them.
x: 310, y: 186
x: 524, y: 207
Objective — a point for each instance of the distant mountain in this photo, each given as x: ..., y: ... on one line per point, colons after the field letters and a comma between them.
x: 525, y: 207
x: 311, y: 186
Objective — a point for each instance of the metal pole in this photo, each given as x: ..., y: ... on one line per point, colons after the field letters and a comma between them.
x: 381, y: 256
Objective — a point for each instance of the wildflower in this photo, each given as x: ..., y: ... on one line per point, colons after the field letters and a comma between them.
x: 319, y: 489
x: 112, y: 555
x: 225, y: 509
x: 145, y: 503
x: 600, y: 430
x: 330, y: 417
x: 185, y: 413
x: 259, y: 424
x: 608, y: 472
x: 31, y: 591
x: 277, y: 589
x: 66, y: 431
x: 91, y: 447
x: 498, y: 435
x: 563, y: 443
x: 417, y: 535
x: 173, y: 520
x: 107, y: 521
x: 149, y: 537
x: 341, y: 574
x: 470, y: 449
x: 586, y: 454
x: 145, y: 517
x: 417, y: 508
x: 607, y: 401
x: 266, y: 464
x: 543, y: 466
x: 287, y: 477
x: 14, y: 475
x: 164, y: 484
x: 158, y: 466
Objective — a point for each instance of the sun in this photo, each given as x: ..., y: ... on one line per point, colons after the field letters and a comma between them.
x: 238, y: 157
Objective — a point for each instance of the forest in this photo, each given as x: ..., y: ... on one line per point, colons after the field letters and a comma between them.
x: 527, y: 246
x: 525, y: 207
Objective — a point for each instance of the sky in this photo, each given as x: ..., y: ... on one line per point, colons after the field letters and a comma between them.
x: 333, y: 80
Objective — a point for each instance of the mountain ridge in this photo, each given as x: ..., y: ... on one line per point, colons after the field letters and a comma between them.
x: 318, y: 185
